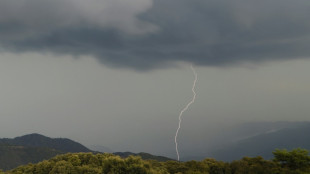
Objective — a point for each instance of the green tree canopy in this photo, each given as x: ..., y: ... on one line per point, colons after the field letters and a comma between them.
x: 297, y: 159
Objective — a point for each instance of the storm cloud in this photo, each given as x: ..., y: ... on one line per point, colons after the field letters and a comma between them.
x: 145, y: 34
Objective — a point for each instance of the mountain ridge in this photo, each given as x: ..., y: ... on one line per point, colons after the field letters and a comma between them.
x: 33, y: 148
x: 264, y: 143
x: 38, y: 140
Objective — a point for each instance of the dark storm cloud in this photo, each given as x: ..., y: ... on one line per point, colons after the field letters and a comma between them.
x: 204, y: 32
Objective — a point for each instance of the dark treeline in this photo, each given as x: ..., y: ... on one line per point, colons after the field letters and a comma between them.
x: 296, y: 161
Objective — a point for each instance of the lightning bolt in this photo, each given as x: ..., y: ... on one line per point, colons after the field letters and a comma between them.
x: 183, y: 110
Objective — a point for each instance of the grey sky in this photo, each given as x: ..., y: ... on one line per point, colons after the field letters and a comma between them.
x: 146, y: 34
x: 117, y: 74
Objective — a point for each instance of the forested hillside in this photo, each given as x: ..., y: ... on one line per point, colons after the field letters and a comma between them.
x: 145, y: 156
x: 13, y: 156
x: 284, y: 162
x: 34, y: 148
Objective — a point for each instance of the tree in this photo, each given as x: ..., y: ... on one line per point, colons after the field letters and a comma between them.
x: 254, y: 165
x: 175, y: 167
x: 196, y: 167
x: 216, y: 167
x: 297, y: 159
x: 63, y: 167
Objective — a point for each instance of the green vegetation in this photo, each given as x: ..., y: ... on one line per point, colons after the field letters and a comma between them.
x: 296, y: 161
x: 13, y: 156
x: 34, y: 148
x: 145, y: 156
x: 90, y: 163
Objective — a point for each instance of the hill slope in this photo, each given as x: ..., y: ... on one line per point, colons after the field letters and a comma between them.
x: 37, y: 140
x: 34, y: 148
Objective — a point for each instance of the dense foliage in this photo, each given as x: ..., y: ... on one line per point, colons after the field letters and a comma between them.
x: 296, y: 161
x: 13, y: 156
x: 143, y: 155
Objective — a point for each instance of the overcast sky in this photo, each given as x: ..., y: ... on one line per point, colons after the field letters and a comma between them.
x: 116, y: 72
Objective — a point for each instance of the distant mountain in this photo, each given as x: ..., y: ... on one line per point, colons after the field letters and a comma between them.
x: 251, y: 129
x: 33, y: 148
x: 264, y: 143
x: 233, y: 135
x: 145, y: 156
x: 37, y: 140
